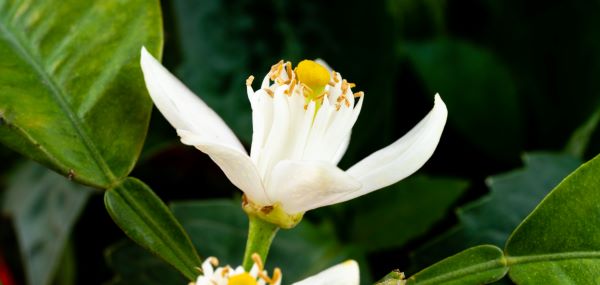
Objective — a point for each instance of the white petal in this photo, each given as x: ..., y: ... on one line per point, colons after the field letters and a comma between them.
x: 403, y: 157
x: 236, y: 165
x: 276, y: 142
x: 305, y: 185
x: 181, y: 107
x: 346, y: 273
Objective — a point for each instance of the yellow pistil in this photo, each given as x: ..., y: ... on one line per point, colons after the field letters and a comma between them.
x: 242, y: 279
x: 315, y: 77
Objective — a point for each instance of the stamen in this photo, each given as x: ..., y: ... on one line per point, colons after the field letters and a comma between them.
x: 214, y: 261
x: 225, y: 271
x: 288, y: 70
x: 265, y: 277
x: 290, y: 90
x: 276, y: 70
x: 344, y: 86
x: 249, y: 80
x: 276, y: 275
x: 256, y: 258
x: 306, y: 88
x: 269, y: 91
x: 359, y: 94
x: 335, y: 76
x: 331, y: 83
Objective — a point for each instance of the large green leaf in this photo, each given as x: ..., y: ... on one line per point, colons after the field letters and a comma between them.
x: 477, y: 265
x: 71, y: 90
x: 513, y: 195
x: 559, y: 242
x: 147, y: 220
x: 478, y: 90
x: 399, y: 211
x: 44, y: 207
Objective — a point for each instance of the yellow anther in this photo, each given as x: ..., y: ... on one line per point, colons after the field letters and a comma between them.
x: 214, y: 261
x: 242, y: 279
x: 269, y: 91
x: 249, y: 80
x: 312, y: 74
x: 276, y: 275
x: 256, y: 258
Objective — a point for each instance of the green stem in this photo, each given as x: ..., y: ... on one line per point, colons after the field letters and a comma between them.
x: 260, y: 236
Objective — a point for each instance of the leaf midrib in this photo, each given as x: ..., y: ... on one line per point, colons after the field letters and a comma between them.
x: 60, y: 97
x: 507, y: 262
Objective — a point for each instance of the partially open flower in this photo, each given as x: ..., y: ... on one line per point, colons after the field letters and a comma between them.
x: 302, y: 119
x: 346, y: 273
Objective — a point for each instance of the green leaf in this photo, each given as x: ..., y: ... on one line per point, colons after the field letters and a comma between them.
x: 147, y: 220
x: 71, y: 90
x: 580, y: 139
x: 44, y: 207
x: 559, y: 242
x: 513, y: 195
x: 478, y: 90
x: 477, y: 265
x: 393, y: 278
x: 402, y: 206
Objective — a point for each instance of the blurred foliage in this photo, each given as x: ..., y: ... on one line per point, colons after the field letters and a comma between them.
x: 384, y: 219
x: 43, y: 206
x: 491, y: 219
x: 219, y: 228
x: 516, y: 76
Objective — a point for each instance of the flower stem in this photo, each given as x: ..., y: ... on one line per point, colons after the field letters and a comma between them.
x: 260, y: 236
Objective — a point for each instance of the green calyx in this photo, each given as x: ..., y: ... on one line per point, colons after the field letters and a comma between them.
x: 273, y: 214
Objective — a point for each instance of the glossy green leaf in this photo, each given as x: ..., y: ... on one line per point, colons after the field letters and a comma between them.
x: 477, y: 265
x: 390, y: 217
x: 147, y: 220
x: 478, y: 90
x: 44, y: 206
x: 71, y: 90
x: 513, y: 195
x: 559, y: 242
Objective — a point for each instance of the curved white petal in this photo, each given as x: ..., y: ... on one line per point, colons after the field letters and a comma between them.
x: 346, y: 273
x: 305, y: 185
x: 236, y: 165
x: 181, y: 107
x: 403, y: 157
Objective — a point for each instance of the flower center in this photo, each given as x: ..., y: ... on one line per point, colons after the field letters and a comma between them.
x: 314, y: 76
x: 242, y: 279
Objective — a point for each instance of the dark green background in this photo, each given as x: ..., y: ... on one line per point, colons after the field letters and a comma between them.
x: 516, y: 76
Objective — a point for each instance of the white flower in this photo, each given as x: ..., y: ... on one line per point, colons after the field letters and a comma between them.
x: 302, y: 120
x: 346, y: 273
